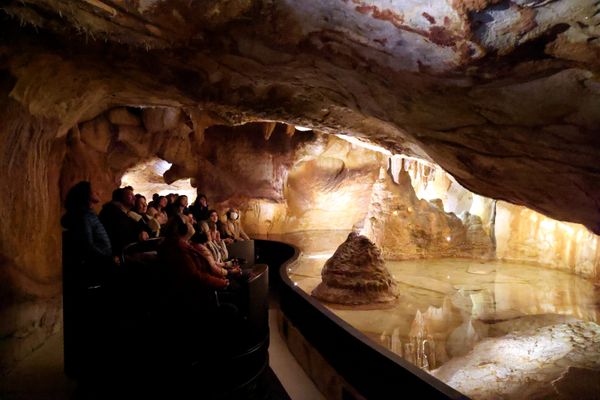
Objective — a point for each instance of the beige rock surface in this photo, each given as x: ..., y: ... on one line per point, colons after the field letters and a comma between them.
x: 504, y: 97
x: 406, y: 227
x: 529, y: 364
x: 356, y: 275
x: 489, y: 91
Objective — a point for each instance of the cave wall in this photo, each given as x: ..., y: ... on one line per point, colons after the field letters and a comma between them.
x: 282, y: 179
x: 524, y: 235
x: 323, y: 184
x: 30, y: 236
x: 504, y: 96
x: 406, y: 227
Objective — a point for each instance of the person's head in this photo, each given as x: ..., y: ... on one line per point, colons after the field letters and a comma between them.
x: 213, y: 216
x: 182, y: 201
x: 141, y: 205
x: 81, y: 196
x: 201, y: 238
x: 155, y: 197
x: 127, y: 197
x: 171, y: 197
x: 233, y: 214
x: 180, y: 227
x: 151, y: 212
x: 162, y: 202
x: 202, y: 200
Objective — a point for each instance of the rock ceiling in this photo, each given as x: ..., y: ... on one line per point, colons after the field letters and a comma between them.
x: 504, y: 95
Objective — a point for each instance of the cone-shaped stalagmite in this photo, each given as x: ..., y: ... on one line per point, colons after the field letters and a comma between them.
x: 356, y: 274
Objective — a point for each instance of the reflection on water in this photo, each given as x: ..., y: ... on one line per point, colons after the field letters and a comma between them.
x: 458, y: 309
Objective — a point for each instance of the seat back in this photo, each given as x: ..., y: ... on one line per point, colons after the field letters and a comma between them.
x: 258, y: 300
x: 244, y: 250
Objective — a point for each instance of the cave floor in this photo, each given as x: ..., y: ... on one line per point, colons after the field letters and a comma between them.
x: 488, y: 329
x: 41, y: 376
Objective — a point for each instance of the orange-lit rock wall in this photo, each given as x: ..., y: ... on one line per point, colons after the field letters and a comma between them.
x: 527, y: 236
x: 30, y: 270
x: 282, y: 179
x: 406, y: 227
x: 328, y: 187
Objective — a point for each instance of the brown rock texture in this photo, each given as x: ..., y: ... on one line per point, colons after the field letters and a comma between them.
x: 503, y: 95
x: 406, y: 227
x: 356, y: 275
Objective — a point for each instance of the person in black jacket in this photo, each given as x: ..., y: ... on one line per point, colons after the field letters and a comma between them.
x: 122, y: 230
x: 200, y: 209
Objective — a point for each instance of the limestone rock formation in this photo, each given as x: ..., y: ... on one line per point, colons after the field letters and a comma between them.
x: 529, y: 364
x: 503, y: 95
x: 356, y: 274
x: 406, y: 227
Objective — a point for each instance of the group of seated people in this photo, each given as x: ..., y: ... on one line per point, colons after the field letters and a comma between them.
x: 194, y: 245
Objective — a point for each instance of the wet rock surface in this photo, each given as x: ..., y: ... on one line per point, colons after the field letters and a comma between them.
x: 530, y: 364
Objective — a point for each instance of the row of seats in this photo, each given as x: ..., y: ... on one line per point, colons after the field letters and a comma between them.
x: 133, y: 330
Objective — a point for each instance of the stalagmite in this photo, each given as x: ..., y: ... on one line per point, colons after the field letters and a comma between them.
x: 356, y: 274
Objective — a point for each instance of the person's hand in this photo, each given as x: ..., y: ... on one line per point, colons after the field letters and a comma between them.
x: 228, y: 241
x: 226, y: 283
x: 236, y: 271
x: 144, y: 236
x: 117, y: 260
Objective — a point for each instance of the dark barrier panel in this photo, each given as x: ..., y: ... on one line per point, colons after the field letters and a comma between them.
x: 273, y: 254
x: 244, y: 251
x: 374, y: 371
x: 131, y: 335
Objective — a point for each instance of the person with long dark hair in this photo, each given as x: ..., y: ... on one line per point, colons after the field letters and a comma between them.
x: 89, y: 272
x: 88, y: 238
x: 200, y: 208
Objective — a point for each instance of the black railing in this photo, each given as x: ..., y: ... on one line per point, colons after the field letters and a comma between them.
x: 374, y: 371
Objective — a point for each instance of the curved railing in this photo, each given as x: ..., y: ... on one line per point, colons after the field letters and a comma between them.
x: 374, y: 371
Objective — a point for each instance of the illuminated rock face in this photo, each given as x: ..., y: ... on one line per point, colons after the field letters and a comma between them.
x: 356, y: 275
x: 502, y: 95
x: 407, y: 227
x: 284, y: 184
x: 524, y: 364
x: 524, y: 235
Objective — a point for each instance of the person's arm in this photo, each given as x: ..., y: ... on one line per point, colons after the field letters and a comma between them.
x: 217, y: 268
x: 98, y: 248
x: 193, y: 272
x: 242, y: 233
x: 229, y: 229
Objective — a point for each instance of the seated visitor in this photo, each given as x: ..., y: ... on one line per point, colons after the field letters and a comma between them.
x: 200, y: 208
x: 216, y: 245
x: 225, y: 269
x: 121, y: 229
x: 157, y: 210
x: 171, y: 208
x: 88, y: 241
x: 192, y: 282
x: 139, y: 215
x: 154, y: 200
x: 233, y: 226
x: 152, y: 221
x: 181, y: 205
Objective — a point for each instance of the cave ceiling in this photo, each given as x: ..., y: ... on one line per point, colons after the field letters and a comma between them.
x: 504, y: 95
